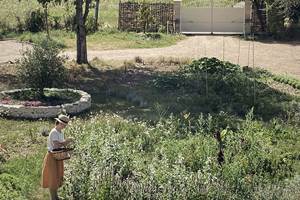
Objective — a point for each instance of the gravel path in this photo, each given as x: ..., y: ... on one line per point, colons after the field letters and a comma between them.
x: 278, y: 57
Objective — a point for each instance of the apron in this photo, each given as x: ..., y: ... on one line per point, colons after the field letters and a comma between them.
x: 53, y: 172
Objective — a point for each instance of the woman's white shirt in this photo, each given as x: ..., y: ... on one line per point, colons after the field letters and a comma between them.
x: 54, y: 135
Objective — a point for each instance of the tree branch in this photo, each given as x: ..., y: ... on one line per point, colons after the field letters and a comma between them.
x: 87, y: 9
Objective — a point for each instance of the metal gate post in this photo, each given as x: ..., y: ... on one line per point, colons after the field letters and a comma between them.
x: 212, y: 16
x: 247, y: 19
x: 177, y: 10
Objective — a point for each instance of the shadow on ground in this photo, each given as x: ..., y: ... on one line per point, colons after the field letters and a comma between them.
x: 141, y: 92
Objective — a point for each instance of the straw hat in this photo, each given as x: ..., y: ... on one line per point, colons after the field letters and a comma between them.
x: 64, y: 119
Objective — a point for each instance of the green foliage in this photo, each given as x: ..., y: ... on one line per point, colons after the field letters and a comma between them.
x: 18, y: 178
x: 10, y: 187
x: 275, y: 20
x: 58, y: 38
x: 169, y: 157
x: 290, y: 9
x: 70, y: 22
x: 212, y: 66
x: 50, y: 97
x: 295, y: 83
x: 115, y: 158
x: 42, y: 67
x: 90, y: 24
x: 212, y: 86
x: 283, y: 15
x: 35, y: 22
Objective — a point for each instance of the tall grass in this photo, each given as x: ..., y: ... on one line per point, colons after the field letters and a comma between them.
x: 21, y: 172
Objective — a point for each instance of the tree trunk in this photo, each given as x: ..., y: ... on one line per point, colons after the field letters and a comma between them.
x: 46, y: 16
x: 96, y: 14
x: 81, y: 33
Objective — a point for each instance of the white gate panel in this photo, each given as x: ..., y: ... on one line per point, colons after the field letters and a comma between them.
x: 215, y: 20
x: 196, y: 20
x: 228, y: 20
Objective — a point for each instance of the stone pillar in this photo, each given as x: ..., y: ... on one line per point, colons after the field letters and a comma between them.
x: 177, y: 9
x: 248, y: 8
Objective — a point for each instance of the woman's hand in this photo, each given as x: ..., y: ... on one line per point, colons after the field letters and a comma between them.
x: 69, y: 140
x: 66, y: 142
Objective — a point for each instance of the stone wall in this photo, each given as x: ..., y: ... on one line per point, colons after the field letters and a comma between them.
x: 30, y: 112
x: 160, y: 17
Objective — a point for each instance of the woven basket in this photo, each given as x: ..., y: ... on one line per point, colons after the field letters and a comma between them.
x: 63, y: 154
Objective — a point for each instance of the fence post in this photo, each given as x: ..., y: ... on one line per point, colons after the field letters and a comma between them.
x: 247, y: 28
x: 177, y: 9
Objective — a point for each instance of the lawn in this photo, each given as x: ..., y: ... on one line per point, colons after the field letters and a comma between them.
x: 106, y: 40
x: 154, y: 128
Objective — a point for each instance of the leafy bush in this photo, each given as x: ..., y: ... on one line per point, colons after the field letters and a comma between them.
x: 212, y: 66
x: 42, y: 67
x: 70, y: 22
x: 90, y: 24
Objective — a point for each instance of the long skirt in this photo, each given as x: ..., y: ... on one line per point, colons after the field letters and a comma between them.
x: 53, y: 172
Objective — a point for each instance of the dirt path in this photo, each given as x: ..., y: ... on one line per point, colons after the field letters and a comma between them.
x: 283, y: 58
x: 11, y: 50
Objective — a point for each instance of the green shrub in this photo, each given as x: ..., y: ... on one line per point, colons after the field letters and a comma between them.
x: 211, y: 85
x: 4, y: 28
x: 212, y: 66
x: 42, y: 67
x: 35, y: 21
x: 90, y: 24
x: 70, y: 22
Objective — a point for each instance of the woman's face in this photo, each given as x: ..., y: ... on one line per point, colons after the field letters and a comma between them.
x: 61, y: 125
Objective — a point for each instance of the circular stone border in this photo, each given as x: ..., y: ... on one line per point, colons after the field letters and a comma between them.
x: 31, y: 112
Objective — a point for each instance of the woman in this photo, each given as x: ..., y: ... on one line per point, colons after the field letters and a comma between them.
x: 53, y: 170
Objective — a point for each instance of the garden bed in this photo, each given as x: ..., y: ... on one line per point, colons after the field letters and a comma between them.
x: 20, y: 103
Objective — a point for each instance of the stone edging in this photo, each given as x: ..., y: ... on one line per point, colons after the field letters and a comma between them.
x: 30, y: 112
